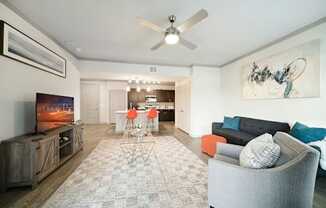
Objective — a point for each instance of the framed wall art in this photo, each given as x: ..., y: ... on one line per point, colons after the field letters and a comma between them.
x: 294, y: 73
x: 17, y: 45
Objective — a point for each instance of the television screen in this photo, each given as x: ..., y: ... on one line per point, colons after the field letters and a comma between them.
x: 53, y: 111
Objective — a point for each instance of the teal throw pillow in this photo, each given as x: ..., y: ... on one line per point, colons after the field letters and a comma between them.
x: 307, y: 134
x: 295, y: 131
x: 231, y: 123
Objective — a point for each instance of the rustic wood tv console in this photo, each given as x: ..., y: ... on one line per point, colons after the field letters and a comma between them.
x: 28, y: 159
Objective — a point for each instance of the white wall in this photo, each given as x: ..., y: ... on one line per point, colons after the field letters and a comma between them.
x: 154, y: 87
x: 206, y: 100
x: 308, y: 110
x: 121, y: 71
x: 19, y: 83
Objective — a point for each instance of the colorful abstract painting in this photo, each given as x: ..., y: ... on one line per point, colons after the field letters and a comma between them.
x: 294, y: 73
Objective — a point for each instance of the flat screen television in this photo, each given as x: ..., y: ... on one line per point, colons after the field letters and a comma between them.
x: 53, y: 111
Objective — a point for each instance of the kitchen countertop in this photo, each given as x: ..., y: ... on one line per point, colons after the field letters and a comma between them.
x: 138, y: 111
x: 121, y: 120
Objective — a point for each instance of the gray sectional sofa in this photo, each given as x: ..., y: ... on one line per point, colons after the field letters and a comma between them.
x: 289, y: 184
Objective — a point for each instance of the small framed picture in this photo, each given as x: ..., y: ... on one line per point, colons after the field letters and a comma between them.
x: 17, y: 45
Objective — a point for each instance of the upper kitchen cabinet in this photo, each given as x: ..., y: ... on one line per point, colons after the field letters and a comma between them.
x: 165, y: 95
x: 162, y: 95
x: 136, y: 97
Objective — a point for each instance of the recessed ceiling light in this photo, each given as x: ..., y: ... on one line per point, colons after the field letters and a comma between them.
x: 128, y: 88
x: 138, y: 89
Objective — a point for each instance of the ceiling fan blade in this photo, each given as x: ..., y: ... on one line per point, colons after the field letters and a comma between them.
x: 150, y: 25
x: 157, y: 46
x: 187, y: 44
x: 198, y: 17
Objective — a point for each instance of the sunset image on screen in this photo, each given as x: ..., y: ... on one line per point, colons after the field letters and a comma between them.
x: 53, y: 111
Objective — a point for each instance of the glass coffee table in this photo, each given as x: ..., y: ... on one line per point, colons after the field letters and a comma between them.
x: 138, y: 146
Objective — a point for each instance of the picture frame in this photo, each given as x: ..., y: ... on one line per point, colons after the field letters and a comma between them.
x: 288, y: 74
x: 16, y: 45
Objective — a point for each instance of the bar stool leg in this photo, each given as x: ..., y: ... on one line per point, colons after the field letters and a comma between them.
x: 128, y: 128
x: 150, y: 125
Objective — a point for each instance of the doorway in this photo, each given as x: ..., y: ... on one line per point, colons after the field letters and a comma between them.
x: 117, y: 102
x: 89, y: 103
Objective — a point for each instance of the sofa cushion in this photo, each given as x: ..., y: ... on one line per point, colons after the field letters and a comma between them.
x: 261, y: 152
x: 231, y: 123
x: 258, y: 127
x: 226, y: 159
x: 233, y: 136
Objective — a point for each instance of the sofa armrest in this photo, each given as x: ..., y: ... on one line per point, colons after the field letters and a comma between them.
x: 256, y: 188
x: 227, y: 180
x: 216, y: 125
x: 229, y: 150
x: 316, y: 148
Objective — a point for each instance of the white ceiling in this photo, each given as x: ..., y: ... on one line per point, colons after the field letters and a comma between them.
x: 108, y: 30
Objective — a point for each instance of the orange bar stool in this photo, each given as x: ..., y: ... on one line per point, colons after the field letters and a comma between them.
x: 151, y: 115
x: 130, y: 123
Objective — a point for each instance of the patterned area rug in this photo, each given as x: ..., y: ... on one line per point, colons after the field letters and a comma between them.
x: 172, y: 177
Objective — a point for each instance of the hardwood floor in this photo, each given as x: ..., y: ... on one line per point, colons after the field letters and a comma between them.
x: 93, y: 134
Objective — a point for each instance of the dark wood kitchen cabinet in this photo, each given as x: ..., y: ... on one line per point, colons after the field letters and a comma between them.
x: 136, y: 97
x: 165, y: 95
x: 162, y: 95
x: 166, y: 115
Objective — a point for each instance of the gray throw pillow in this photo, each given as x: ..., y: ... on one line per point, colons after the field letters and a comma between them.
x: 260, y: 152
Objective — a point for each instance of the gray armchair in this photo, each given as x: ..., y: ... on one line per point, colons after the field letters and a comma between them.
x: 289, y: 184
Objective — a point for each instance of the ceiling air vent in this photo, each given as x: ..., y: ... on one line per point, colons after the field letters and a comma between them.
x: 152, y: 69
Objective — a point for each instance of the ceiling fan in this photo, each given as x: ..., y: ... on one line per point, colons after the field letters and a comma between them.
x: 172, y: 33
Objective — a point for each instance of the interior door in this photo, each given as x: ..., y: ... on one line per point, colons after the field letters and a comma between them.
x: 90, y: 103
x: 179, y: 120
x: 118, y: 102
x: 182, y: 106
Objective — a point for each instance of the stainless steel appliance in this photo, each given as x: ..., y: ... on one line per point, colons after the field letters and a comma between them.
x: 151, y: 101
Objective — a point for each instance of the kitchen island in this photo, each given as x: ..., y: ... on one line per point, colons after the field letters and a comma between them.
x: 121, y: 120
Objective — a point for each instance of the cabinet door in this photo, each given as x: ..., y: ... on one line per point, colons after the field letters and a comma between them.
x: 47, y: 156
x: 78, y: 138
x: 140, y: 97
x: 132, y: 96
x: 18, y: 160
x: 159, y: 96
x: 171, y: 115
x: 163, y: 116
x: 166, y: 115
x: 171, y: 96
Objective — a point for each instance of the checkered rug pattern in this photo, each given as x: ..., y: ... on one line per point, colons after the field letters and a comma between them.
x: 172, y: 177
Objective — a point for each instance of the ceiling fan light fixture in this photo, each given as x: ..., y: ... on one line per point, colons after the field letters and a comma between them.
x: 172, y: 39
